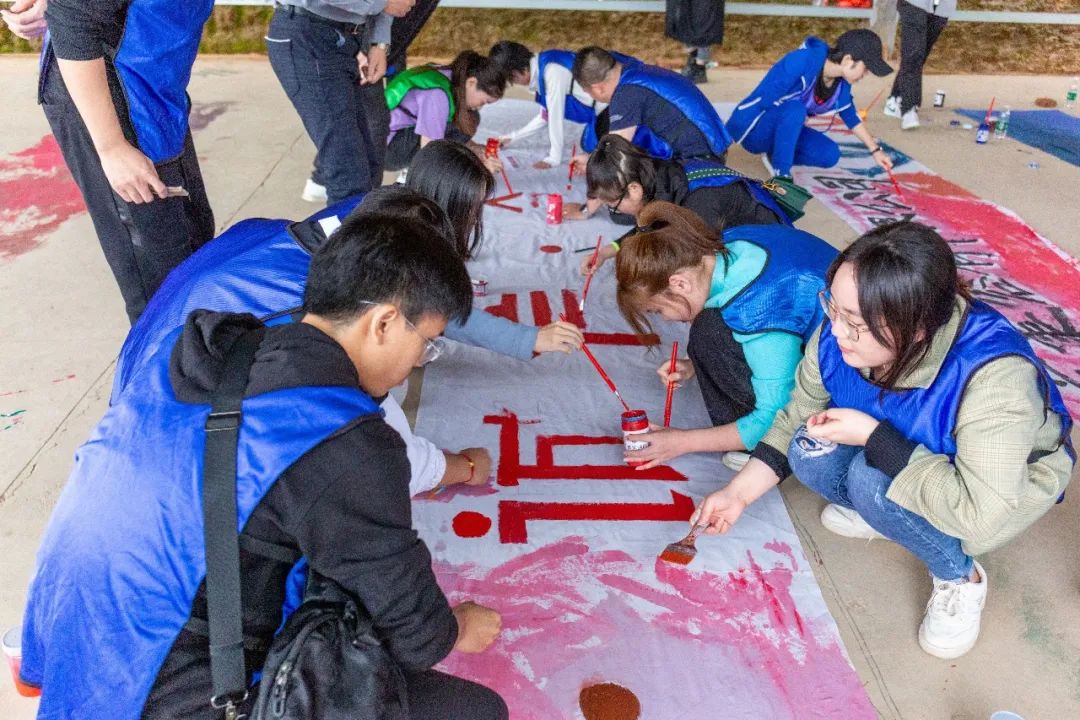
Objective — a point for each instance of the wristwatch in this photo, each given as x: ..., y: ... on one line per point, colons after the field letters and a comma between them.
x: 381, y: 46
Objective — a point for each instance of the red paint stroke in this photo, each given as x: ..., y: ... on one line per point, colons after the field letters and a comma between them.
x: 38, y: 195
x: 541, y: 309
x: 506, y: 307
x: 550, y: 248
x: 511, y: 471
x: 514, y: 515
x: 65, y: 378
x: 469, y: 524
x: 781, y: 548
x: 12, y: 392
x: 534, y: 199
x: 577, y: 614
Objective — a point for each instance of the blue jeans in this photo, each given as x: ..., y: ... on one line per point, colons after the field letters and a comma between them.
x: 782, y: 133
x: 839, y: 474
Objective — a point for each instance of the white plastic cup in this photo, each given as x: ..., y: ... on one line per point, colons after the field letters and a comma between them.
x: 12, y: 643
x: 1005, y: 715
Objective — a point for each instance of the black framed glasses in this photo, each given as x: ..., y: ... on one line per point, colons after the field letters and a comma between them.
x: 851, y: 330
x: 614, y: 207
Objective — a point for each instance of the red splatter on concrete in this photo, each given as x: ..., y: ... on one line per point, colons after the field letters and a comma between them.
x: 37, y: 195
x: 469, y: 524
x: 65, y: 378
x: 572, y: 616
x: 550, y: 248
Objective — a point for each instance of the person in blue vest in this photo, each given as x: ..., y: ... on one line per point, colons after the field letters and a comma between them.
x: 750, y: 297
x: 113, y: 87
x: 923, y: 417
x: 115, y: 624
x: 260, y: 266
x: 813, y: 80
x: 658, y: 110
x: 549, y: 76
x: 624, y: 179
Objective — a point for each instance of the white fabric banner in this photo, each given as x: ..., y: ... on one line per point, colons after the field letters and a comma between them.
x: 565, y: 541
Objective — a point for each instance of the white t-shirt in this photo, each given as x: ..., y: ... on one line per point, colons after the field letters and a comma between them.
x: 427, y: 464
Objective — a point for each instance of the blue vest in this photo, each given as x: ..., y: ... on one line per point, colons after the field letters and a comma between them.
x: 687, y: 99
x: 928, y: 415
x: 576, y: 111
x: 712, y: 173
x: 123, y: 554
x: 784, y: 296
x: 256, y: 266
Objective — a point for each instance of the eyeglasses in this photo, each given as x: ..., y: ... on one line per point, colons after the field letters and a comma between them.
x: 433, y: 347
x: 614, y: 207
x: 851, y: 330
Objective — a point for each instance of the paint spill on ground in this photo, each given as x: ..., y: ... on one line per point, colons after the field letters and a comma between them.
x: 11, y: 419
x: 37, y: 194
x: 469, y: 524
x: 550, y: 248
x: 608, y: 701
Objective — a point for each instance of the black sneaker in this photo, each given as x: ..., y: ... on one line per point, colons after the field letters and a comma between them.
x: 697, y: 73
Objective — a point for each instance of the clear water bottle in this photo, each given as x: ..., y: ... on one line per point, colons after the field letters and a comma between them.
x: 1001, y: 128
x: 1070, y: 97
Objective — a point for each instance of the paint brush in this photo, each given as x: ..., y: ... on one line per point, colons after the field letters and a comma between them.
x: 682, y: 552
x: 990, y: 110
x: 570, y: 175
x: 671, y: 384
x: 506, y: 180
x: 863, y: 113
x: 895, y: 185
x: 596, y: 364
x: 592, y: 271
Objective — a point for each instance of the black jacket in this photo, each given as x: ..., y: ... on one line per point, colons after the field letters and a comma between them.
x: 344, y: 505
x: 695, y: 22
x: 719, y: 207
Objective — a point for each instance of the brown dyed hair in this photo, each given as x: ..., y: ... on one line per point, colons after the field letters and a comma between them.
x: 907, y: 283
x: 668, y: 239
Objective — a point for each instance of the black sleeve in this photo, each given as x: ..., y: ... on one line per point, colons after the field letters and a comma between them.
x: 772, y: 457
x: 888, y: 449
x: 81, y: 30
x: 357, y: 530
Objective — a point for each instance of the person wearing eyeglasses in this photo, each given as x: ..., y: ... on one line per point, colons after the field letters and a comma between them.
x: 923, y: 417
x: 624, y: 179
x: 750, y: 296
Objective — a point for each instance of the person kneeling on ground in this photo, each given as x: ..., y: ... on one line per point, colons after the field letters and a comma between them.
x: 115, y: 624
x: 751, y: 299
x: 432, y: 102
x: 923, y: 417
x: 624, y: 179
x: 812, y: 80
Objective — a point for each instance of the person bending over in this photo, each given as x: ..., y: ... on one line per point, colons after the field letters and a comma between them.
x: 115, y: 622
x: 432, y: 102
x: 812, y: 80
x: 751, y: 301
x: 923, y: 417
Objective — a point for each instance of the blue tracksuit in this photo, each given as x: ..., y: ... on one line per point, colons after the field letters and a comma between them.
x: 772, y: 118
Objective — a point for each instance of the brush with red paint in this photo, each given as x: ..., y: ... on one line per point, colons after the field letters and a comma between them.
x: 896, y: 185
x: 682, y: 552
x: 671, y: 383
x: 570, y: 176
x: 592, y: 271
x: 599, y: 368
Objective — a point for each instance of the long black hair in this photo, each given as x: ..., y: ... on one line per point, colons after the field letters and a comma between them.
x: 908, y: 284
x: 456, y: 179
x: 615, y: 164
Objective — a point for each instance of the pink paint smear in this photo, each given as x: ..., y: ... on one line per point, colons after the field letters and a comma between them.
x: 679, y: 639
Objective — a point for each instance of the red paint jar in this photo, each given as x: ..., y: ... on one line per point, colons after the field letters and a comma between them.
x: 492, y: 147
x: 479, y: 288
x: 634, y: 423
x: 554, y: 209
x: 12, y: 644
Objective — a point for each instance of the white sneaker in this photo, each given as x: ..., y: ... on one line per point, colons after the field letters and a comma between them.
x: 847, y: 522
x: 735, y: 460
x: 767, y: 164
x: 910, y: 120
x: 950, y: 626
x: 891, y: 107
x: 313, y: 192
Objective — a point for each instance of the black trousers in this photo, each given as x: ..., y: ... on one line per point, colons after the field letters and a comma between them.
x: 315, y: 62
x: 437, y: 696
x: 722, y: 372
x: 141, y: 242
x: 919, y: 30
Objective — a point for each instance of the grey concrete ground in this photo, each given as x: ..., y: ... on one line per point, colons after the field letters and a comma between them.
x: 62, y: 322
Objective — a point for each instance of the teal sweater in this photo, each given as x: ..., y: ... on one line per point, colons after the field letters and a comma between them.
x: 771, y: 356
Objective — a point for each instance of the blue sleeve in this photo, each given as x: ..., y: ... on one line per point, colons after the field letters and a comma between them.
x: 627, y: 108
x: 846, y: 107
x: 790, y: 75
x: 497, y: 334
x: 773, y: 358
